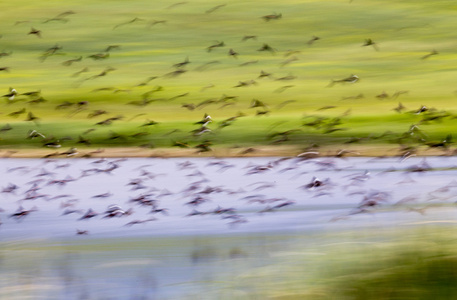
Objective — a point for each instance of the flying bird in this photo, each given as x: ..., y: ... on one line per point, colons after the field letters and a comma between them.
x: 351, y: 79
x: 35, y: 32
x: 370, y: 42
x: 273, y: 16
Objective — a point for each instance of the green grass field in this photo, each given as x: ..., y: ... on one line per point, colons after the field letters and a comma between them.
x: 395, y: 263
x: 169, y: 65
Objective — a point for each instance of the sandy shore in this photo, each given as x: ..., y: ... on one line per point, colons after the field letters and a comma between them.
x: 260, y: 151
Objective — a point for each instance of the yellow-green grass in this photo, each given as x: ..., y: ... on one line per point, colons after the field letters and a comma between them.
x: 416, y: 263
x: 404, y: 33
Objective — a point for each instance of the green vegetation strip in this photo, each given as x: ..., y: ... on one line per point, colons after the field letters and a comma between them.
x: 117, y: 74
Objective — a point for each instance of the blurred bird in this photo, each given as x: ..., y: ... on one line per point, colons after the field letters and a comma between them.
x: 5, y: 128
x: 71, y: 61
x: 216, y: 45
x: 264, y: 74
x: 12, y: 93
x: 17, y: 113
x: 233, y: 53
x: 267, y: 47
x: 351, y: 79
x: 211, y: 10
x: 273, y: 16
x: 128, y: 22
x: 399, y: 108
x: 249, y: 37
x: 99, y: 56
x: 35, y: 32
x: 370, y: 42
x: 434, y: 52
x: 182, y: 64
x: 312, y: 40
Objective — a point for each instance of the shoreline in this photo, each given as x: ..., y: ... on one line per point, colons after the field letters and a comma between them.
x: 257, y: 151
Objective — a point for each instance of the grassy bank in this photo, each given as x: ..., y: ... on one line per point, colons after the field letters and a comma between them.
x: 414, y: 263
x: 96, y: 74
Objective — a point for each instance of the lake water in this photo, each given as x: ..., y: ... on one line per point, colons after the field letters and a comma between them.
x: 186, y: 228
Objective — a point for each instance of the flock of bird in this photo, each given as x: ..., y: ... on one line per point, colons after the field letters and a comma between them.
x: 201, y: 138
x: 238, y: 193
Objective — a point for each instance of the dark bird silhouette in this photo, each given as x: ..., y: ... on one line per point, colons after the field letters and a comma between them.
x: 213, y: 9
x: 5, y: 54
x: 54, y: 50
x: 111, y: 47
x: 264, y: 74
x: 155, y: 22
x: 17, y: 113
x: 245, y: 83
x: 176, y: 73
x: 434, y: 52
x: 83, y: 140
x: 35, y: 32
x: 99, y: 56
x: 136, y: 222
x: 31, y: 117
x: 204, y: 147
x: 249, y: 37
x: 22, y: 213
x: 177, y: 4
x: 6, y: 128
x: 80, y: 72
x: 129, y: 22
x: 89, y: 214
x: 351, y: 79
x: 182, y: 64
x: 60, y: 17
x: 149, y: 123
x: 96, y: 113
x: 383, y: 95
x: 266, y: 47
x: 103, y: 73
x: 233, y: 53
x: 313, y: 40
x: 273, y: 16
x: 288, y: 61
x: 370, y: 42
x: 257, y: 103
x: 284, y: 103
x: 399, y: 108
x: 71, y: 61
x: 216, y: 45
